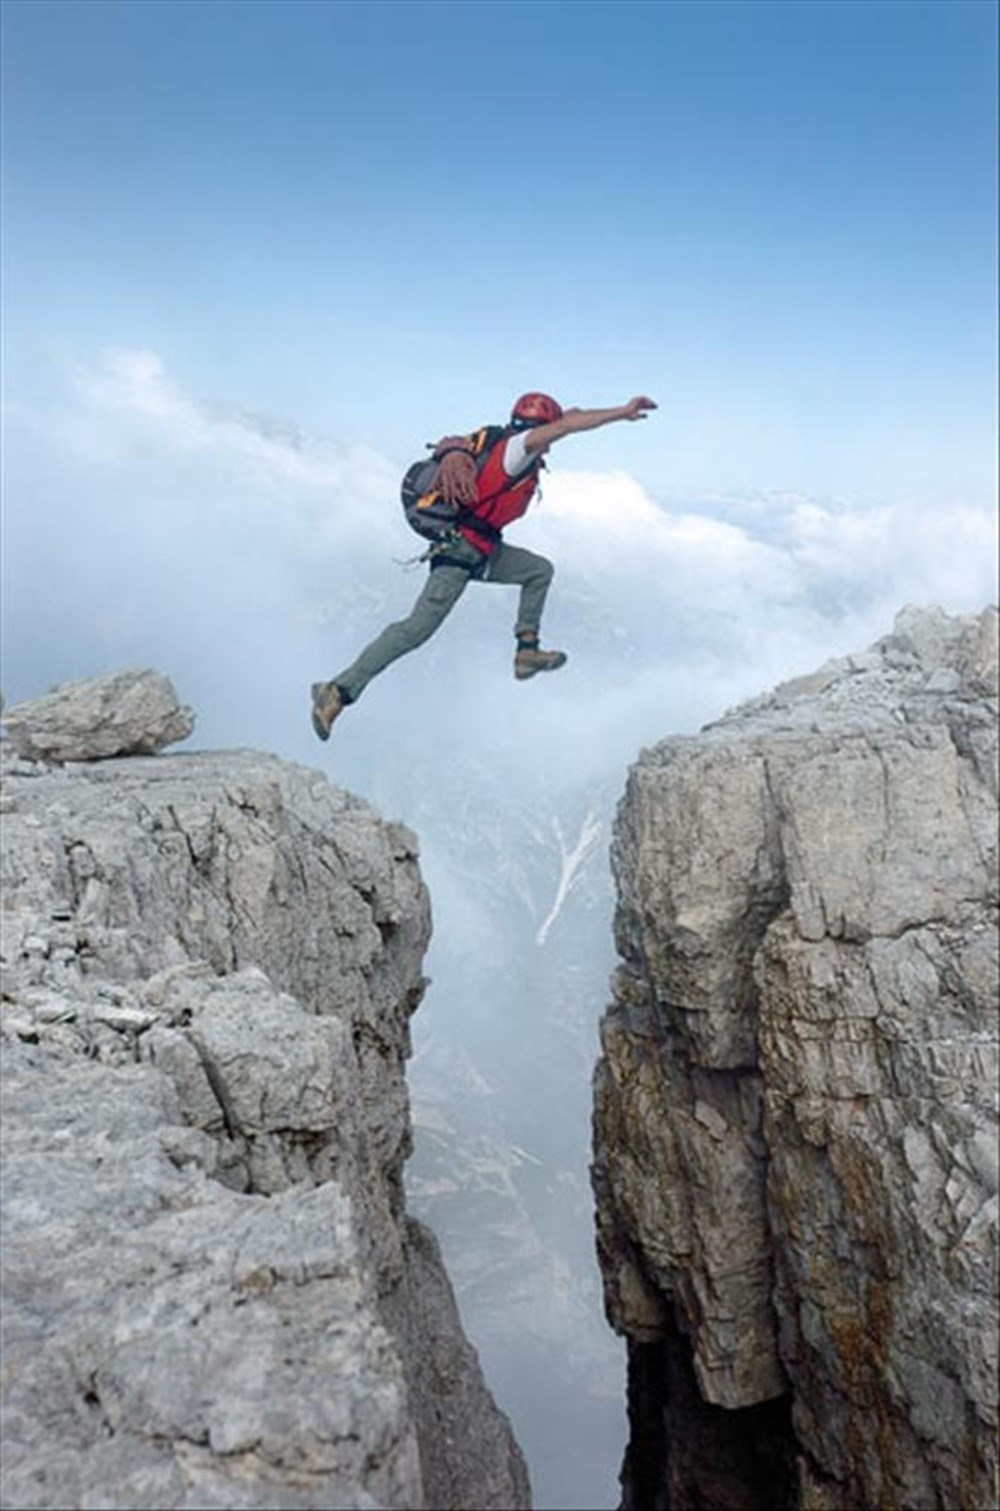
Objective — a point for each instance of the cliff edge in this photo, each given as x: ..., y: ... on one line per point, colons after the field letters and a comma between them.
x: 213, y: 1295
x: 795, y: 1141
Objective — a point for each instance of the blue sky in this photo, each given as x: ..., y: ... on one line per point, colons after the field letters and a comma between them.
x: 382, y: 219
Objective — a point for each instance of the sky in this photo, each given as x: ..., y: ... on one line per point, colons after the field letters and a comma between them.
x: 256, y: 255
x: 382, y: 220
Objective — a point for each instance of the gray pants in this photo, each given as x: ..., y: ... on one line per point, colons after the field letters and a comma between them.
x: 445, y: 585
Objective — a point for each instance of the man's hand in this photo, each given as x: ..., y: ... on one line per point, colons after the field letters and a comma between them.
x: 456, y: 476
x: 541, y: 437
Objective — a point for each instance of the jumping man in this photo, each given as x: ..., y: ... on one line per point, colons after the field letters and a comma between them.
x: 491, y: 494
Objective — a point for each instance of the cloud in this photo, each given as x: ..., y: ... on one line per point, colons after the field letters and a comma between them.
x: 129, y: 408
x: 781, y: 554
x: 145, y: 527
x: 246, y: 558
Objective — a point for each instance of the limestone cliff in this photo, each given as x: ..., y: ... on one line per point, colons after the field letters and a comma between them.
x: 795, y: 1156
x: 213, y: 1295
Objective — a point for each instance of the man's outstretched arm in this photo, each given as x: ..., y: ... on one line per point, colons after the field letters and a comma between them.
x: 540, y: 437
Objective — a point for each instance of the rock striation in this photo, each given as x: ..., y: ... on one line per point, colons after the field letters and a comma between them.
x: 795, y: 1139
x: 213, y: 1294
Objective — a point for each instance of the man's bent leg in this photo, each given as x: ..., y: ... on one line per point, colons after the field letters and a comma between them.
x: 533, y: 574
x: 442, y: 590
x: 515, y: 567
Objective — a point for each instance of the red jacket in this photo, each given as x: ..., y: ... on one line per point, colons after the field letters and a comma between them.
x: 501, y: 498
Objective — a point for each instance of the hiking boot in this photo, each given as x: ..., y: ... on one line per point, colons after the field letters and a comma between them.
x: 529, y: 659
x: 327, y: 705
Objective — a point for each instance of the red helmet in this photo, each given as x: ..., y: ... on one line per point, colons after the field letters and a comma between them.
x: 534, y: 409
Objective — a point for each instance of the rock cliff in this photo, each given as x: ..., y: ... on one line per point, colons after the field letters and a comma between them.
x: 795, y: 1143
x: 213, y: 1294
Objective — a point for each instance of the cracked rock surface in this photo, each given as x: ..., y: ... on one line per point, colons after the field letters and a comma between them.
x: 795, y: 1110
x: 213, y: 1295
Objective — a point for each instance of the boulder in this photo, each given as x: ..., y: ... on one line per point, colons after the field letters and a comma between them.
x: 125, y: 713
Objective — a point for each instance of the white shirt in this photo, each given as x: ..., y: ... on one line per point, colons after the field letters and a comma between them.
x: 516, y: 456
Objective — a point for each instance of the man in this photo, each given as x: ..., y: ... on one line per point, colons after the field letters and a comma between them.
x: 491, y: 494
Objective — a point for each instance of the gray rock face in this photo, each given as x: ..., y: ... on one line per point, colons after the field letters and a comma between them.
x: 795, y: 1114
x: 213, y: 1296
x: 127, y: 713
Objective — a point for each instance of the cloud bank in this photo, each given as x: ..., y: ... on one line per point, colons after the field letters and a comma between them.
x: 246, y: 558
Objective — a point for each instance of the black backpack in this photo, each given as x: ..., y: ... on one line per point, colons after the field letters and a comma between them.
x: 431, y: 515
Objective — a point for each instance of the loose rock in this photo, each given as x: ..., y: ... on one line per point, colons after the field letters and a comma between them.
x: 127, y: 713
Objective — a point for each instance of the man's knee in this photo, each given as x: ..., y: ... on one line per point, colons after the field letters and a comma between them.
x: 419, y: 627
x: 543, y: 571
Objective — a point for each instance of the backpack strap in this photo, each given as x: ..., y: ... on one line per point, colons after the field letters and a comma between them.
x: 479, y: 445
x: 484, y: 441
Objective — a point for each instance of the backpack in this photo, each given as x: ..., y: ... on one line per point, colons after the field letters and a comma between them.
x: 426, y: 511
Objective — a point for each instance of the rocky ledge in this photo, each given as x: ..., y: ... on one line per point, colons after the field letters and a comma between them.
x: 213, y: 1294
x: 795, y: 1141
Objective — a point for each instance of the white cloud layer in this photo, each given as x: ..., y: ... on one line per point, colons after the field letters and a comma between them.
x: 246, y: 559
